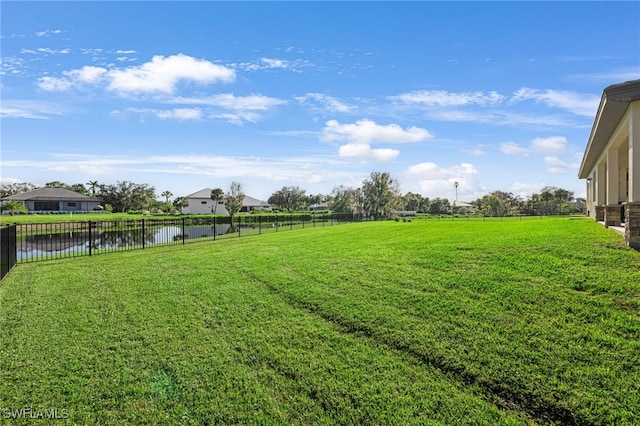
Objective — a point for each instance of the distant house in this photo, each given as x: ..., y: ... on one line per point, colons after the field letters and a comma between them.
x: 462, y: 207
x: 53, y: 199
x: 201, y: 203
x: 319, y: 207
x: 611, y: 161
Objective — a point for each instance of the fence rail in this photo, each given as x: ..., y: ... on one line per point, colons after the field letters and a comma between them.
x: 7, y: 249
x: 44, y: 241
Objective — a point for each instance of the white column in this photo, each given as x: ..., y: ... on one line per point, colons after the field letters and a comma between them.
x: 600, y: 183
x: 613, y: 176
x: 634, y: 153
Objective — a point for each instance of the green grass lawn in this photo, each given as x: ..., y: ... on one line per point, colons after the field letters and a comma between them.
x: 423, y: 322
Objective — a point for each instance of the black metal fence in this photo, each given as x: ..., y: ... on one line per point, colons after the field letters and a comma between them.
x: 44, y: 241
x: 7, y: 249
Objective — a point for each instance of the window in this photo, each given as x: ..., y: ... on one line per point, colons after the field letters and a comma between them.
x: 203, y: 202
x: 71, y: 204
x: 46, y: 205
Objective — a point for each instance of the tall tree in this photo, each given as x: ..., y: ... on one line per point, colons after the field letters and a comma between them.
x: 289, y: 197
x: 217, y: 195
x: 125, y: 196
x: 547, y: 195
x: 7, y: 189
x: 346, y: 200
x: 562, y: 197
x: 79, y: 188
x: 234, y: 200
x: 380, y: 192
x: 93, y: 185
x: 167, y: 197
x: 439, y: 205
x: 56, y: 184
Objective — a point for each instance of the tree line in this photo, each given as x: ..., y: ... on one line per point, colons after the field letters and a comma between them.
x: 378, y: 197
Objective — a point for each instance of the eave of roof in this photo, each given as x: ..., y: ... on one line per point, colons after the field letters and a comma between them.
x: 51, y: 194
x: 613, y: 105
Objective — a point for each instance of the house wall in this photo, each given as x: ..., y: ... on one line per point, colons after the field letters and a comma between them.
x: 613, y: 186
x: 63, y: 206
x: 203, y: 206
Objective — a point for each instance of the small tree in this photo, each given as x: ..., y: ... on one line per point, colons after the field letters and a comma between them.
x: 13, y: 207
x: 217, y: 195
x: 167, y: 196
x: 180, y: 203
x: 235, y: 199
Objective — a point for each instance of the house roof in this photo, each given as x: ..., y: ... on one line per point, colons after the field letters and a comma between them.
x: 248, y: 201
x: 203, y: 193
x: 460, y: 204
x: 613, y: 105
x: 50, y: 194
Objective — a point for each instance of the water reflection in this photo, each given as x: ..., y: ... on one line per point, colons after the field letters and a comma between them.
x: 41, y: 245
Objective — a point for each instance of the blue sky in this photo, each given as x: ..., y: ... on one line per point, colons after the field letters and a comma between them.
x: 188, y: 95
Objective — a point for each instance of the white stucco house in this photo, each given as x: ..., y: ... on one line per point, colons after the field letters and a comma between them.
x: 53, y: 199
x: 201, y: 203
x: 611, y: 161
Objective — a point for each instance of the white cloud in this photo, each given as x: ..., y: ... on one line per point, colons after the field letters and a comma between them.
x: 181, y: 114
x: 159, y: 76
x: 237, y: 118
x: 549, y: 145
x: 525, y: 190
x: 162, y: 74
x: 325, y: 102
x: 512, y: 148
x: 476, y: 152
x: 367, y: 131
x: 252, y: 102
x: 47, y: 33
x: 274, y: 63
x: 576, y: 103
x: 444, y: 98
x: 54, y: 84
x: 364, y: 152
x: 555, y: 165
x: 433, y: 180
x: 86, y: 74
x: 11, y: 108
x: 49, y: 51
x: 361, y: 134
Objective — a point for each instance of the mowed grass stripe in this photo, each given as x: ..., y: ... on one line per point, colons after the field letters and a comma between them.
x: 143, y: 340
x: 402, y: 323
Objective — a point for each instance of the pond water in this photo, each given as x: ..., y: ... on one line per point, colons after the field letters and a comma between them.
x: 67, y: 243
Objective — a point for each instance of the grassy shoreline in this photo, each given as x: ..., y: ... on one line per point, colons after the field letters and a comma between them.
x: 388, y: 322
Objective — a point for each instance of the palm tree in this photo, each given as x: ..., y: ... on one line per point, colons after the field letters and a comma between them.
x: 167, y: 195
x: 13, y: 207
x: 93, y: 184
x: 217, y: 195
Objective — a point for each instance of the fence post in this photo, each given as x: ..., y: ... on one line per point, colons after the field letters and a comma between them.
x: 259, y: 225
x: 143, y: 235
x: 183, y: 230
x: 90, y: 237
x: 239, y: 222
